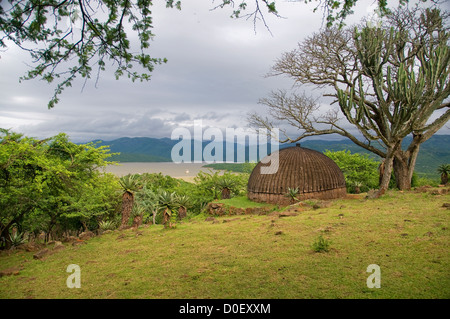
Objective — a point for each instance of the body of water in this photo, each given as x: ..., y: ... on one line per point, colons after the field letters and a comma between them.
x: 186, y: 171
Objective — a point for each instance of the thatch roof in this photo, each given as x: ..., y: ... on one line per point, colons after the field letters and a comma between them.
x: 314, y: 174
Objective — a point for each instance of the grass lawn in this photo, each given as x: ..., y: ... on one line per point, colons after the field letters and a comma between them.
x: 243, y: 202
x: 405, y: 233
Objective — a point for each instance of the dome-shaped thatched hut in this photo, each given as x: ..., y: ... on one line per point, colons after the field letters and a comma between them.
x: 311, y: 172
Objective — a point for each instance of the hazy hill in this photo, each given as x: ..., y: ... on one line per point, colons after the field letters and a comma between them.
x: 434, y: 152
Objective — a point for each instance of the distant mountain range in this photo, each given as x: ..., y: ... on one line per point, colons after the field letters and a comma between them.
x: 434, y: 152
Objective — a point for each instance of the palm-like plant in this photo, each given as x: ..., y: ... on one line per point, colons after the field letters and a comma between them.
x: 130, y: 185
x: 226, y: 185
x: 183, y: 203
x: 167, y: 202
x: 137, y: 214
x: 444, y: 170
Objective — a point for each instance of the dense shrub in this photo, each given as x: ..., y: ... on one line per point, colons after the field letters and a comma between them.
x: 359, y: 169
x: 51, y: 185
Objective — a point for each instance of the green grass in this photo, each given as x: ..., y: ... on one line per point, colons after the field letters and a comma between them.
x: 405, y: 233
x: 242, y: 202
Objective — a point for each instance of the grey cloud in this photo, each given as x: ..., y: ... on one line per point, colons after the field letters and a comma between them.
x: 215, y: 72
x: 182, y: 117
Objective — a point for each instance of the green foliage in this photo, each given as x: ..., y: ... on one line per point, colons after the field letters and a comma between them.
x: 17, y: 239
x: 107, y: 225
x: 335, y: 11
x: 246, y: 167
x: 155, y: 181
x: 130, y: 183
x: 51, y: 182
x: 444, y: 169
x: 292, y: 193
x: 321, y: 244
x: 205, y: 260
x: 56, y: 33
x: 183, y: 201
x: 358, y: 169
x: 423, y: 181
x: 78, y: 32
x: 148, y: 200
x: 209, y: 185
x: 168, y: 204
x: 243, y: 202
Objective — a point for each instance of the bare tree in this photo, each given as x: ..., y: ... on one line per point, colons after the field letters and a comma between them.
x: 388, y: 82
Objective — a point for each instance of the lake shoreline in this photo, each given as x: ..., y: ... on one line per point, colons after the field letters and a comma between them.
x: 185, y: 171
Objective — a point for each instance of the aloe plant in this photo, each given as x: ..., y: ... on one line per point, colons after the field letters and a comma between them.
x: 226, y: 185
x: 167, y: 202
x: 17, y: 239
x: 130, y: 185
x: 107, y: 225
x: 183, y: 202
x: 444, y: 170
x: 292, y: 193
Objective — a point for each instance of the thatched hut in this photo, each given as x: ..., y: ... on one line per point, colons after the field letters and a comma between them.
x: 312, y: 173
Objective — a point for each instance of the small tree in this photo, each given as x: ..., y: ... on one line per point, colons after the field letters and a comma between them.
x: 387, y: 82
x: 226, y: 185
x: 137, y: 214
x: 167, y: 202
x: 130, y: 185
x: 444, y: 170
x: 44, y: 183
x: 183, y: 202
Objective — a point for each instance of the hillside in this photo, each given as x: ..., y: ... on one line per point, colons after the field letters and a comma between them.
x: 434, y: 152
x: 256, y: 256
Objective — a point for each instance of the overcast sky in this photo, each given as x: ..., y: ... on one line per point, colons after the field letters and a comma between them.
x: 215, y: 73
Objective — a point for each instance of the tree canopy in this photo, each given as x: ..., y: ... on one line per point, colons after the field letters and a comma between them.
x: 79, y: 38
x: 388, y: 82
x: 48, y: 182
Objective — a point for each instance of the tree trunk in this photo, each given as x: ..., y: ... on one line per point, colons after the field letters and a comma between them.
x: 154, y: 217
x: 401, y: 173
x: 127, y: 206
x: 181, y: 212
x: 444, y: 179
x: 404, y: 163
x: 5, y: 237
x: 381, y: 172
x: 166, y: 218
x: 137, y: 221
x: 226, y: 193
x: 386, y: 177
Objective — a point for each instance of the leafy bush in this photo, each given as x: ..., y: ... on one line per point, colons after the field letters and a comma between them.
x: 359, y: 169
x: 52, y: 185
x: 210, y: 185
